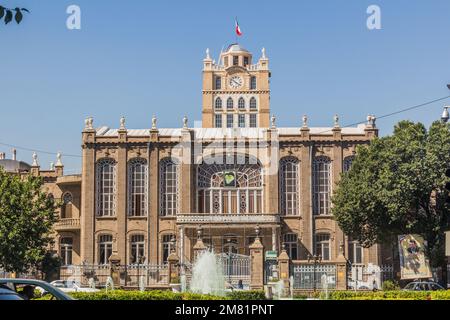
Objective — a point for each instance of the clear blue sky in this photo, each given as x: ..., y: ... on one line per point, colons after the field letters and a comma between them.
x: 138, y: 58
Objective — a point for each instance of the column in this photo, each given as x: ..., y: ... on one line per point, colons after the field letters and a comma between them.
x: 274, y: 238
x: 87, y: 216
x: 153, y: 212
x: 121, y: 209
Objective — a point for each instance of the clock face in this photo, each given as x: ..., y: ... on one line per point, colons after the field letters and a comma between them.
x: 236, y: 82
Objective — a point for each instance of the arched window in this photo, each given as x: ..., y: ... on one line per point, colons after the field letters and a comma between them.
x: 241, y: 103
x: 321, y: 185
x: 291, y: 244
x: 218, y: 103
x: 230, y: 103
x: 218, y: 83
x: 231, y: 185
x: 168, y: 244
x: 137, y: 187
x: 137, y: 252
x: 65, y: 250
x: 348, y: 163
x: 106, y: 187
x: 66, y: 208
x: 323, y: 246
x: 168, y: 187
x: 355, y: 251
x: 289, y: 186
x: 253, y: 104
x: 104, y: 248
x: 253, y: 83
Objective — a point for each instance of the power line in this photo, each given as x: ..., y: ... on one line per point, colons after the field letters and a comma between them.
x: 395, y: 112
x: 349, y: 125
x: 39, y: 151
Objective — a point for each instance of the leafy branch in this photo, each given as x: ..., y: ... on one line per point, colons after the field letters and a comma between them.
x: 7, y: 14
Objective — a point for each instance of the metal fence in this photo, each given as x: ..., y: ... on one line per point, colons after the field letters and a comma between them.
x: 310, y: 276
x: 368, y: 277
x: 236, y: 268
x: 133, y: 275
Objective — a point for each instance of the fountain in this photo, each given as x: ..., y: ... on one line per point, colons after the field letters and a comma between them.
x: 109, y: 284
x: 91, y: 283
x: 141, y: 284
x: 207, y: 275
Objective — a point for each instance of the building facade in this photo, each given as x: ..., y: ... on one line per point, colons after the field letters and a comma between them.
x: 144, y: 192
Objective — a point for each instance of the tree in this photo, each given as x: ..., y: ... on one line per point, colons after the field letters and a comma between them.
x: 8, y: 14
x: 27, y: 215
x: 396, y: 185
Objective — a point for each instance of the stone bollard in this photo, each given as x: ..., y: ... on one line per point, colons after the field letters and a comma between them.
x: 283, y: 266
x: 114, y: 263
x: 257, y: 265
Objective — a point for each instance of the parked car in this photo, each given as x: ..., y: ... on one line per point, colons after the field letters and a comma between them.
x: 71, y: 286
x: 360, y: 285
x: 25, y: 288
x: 423, y: 286
x: 8, y: 294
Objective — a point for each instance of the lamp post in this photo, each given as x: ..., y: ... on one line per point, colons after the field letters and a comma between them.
x: 445, y: 115
x: 316, y: 260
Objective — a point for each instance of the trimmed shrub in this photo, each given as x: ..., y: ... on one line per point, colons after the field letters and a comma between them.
x: 165, y: 295
x: 386, y: 295
x: 247, y: 295
x: 390, y: 285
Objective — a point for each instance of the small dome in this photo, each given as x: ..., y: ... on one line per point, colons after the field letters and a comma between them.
x: 14, y: 165
x: 236, y: 47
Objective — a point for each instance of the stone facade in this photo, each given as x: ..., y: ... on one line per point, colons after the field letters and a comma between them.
x: 178, y: 200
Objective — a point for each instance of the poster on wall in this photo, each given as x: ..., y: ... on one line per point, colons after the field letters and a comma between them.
x: 413, y: 263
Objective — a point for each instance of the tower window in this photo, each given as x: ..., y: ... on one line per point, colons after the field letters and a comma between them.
x: 245, y: 61
x: 241, y: 121
x: 229, y: 103
x: 218, y: 83
x: 253, y: 103
x: 253, y: 83
x: 229, y: 121
x: 218, y: 121
x: 218, y: 103
x: 235, y: 60
x: 241, y: 103
x: 253, y: 123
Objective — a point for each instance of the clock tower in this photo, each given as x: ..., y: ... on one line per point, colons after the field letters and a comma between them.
x: 236, y: 92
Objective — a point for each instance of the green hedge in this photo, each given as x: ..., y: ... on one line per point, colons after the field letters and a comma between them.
x: 165, y: 295
x: 386, y: 295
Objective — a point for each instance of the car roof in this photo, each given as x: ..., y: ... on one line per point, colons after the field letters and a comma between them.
x: 24, y: 281
x: 7, y: 291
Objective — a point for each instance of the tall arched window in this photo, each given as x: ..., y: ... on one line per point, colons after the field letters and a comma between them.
x: 137, y: 253
x: 218, y: 103
x: 66, y: 208
x: 289, y: 186
x: 291, y: 244
x: 137, y: 187
x: 323, y: 246
x: 168, y: 187
x: 321, y: 185
x: 65, y: 250
x: 104, y: 248
x: 232, y: 186
x: 106, y: 187
x: 253, y: 104
x: 241, y: 103
x: 348, y: 163
x: 230, y: 103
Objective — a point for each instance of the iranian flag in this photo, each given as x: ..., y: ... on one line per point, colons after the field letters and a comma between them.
x: 238, y: 30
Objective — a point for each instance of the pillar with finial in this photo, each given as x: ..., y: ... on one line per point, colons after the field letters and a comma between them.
x: 257, y: 262
x: 59, y: 167
x: 272, y: 121
x: 89, y: 124
x: 336, y: 120
x: 35, y: 165
x: 122, y: 123
x: 154, y: 123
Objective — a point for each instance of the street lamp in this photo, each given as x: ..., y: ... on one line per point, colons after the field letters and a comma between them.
x: 316, y: 260
x: 445, y: 115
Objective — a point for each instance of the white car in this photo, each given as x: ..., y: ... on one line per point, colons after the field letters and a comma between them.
x: 71, y: 286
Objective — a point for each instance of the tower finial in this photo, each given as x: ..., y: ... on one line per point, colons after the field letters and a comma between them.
x: 263, y: 51
x: 207, y: 54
